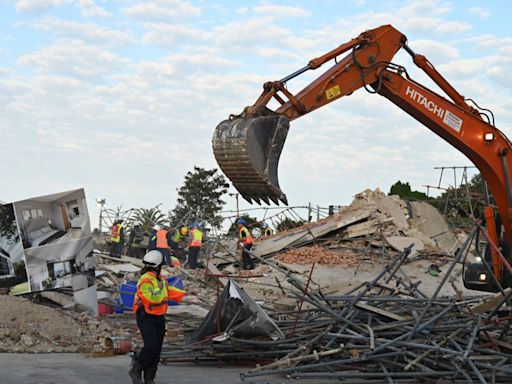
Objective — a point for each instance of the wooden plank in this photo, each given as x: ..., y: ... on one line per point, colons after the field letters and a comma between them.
x: 380, y: 311
x: 489, y: 304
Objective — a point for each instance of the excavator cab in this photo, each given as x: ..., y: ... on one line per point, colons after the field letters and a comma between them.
x: 247, y: 149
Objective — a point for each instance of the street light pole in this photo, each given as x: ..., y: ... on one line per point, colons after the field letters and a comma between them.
x: 237, y: 206
x: 100, y: 203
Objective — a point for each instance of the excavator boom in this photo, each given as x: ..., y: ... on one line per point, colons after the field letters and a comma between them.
x: 248, y: 146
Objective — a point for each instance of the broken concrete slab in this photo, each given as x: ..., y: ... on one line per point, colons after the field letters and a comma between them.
x: 428, y: 220
x: 401, y: 242
x: 307, y: 233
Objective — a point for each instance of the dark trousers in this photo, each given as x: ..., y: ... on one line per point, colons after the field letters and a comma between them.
x: 116, y: 249
x: 152, y: 329
x: 247, y: 262
x: 176, y: 250
x: 166, y: 254
x: 193, y: 252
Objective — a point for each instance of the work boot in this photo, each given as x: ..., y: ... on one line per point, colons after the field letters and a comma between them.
x: 135, y: 372
x: 149, y: 375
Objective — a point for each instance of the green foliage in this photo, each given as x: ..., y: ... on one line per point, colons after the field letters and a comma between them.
x: 404, y: 191
x: 200, y: 198
x: 147, y: 218
x: 460, y: 205
x: 20, y: 271
x: 287, y: 223
x: 8, y: 227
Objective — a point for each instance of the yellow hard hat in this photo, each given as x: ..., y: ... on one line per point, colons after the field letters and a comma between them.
x: 184, y: 230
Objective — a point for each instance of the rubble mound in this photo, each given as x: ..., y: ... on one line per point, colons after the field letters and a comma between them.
x: 320, y: 255
x: 28, y: 327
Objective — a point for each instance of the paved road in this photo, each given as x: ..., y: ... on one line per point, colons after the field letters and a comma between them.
x: 78, y: 369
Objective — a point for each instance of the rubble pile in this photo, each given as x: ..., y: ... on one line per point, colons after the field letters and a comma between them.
x: 386, y: 329
x: 33, y: 328
x: 318, y: 254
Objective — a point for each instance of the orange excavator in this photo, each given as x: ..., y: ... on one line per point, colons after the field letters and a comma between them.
x: 247, y: 146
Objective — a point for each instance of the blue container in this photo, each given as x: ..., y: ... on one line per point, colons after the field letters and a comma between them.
x: 177, y: 282
x: 128, y: 294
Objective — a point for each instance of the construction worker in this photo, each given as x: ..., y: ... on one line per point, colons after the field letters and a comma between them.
x: 246, y: 241
x: 162, y: 243
x: 175, y: 240
x: 117, y: 238
x: 194, y: 246
x: 267, y: 231
x: 152, y: 237
x: 150, y: 306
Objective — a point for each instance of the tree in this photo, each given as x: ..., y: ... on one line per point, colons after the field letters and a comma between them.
x: 404, y: 191
x: 8, y: 228
x: 200, y: 198
x: 287, y: 223
x: 147, y: 218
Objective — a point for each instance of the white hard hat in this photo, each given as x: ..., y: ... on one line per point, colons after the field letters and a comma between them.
x: 156, y: 227
x: 153, y: 258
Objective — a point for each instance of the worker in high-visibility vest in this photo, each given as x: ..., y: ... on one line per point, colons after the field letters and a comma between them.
x: 194, y: 246
x: 117, y: 238
x: 162, y: 243
x: 175, y: 241
x: 150, y: 306
x: 246, y: 241
x: 267, y: 231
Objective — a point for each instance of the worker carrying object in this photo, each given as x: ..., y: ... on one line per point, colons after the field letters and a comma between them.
x: 194, y: 246
x: 246, y: 241
x: 117, y: 238
x: 150, y: 306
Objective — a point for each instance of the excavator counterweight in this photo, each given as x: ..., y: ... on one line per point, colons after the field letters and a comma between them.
x: 247, y: 150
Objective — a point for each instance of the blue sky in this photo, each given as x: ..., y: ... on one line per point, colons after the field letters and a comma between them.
x: 121, y: 97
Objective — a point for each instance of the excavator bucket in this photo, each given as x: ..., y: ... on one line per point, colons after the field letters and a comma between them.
x: 247, y: 150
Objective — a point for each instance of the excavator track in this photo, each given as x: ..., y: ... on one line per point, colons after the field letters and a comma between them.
x: 248, y: 149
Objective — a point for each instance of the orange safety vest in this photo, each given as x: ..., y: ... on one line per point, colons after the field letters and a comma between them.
x: 116, y: 233
x: 161, y: 238
x: 196, y: 238
x: 156, y: 300
x: 248, y: 237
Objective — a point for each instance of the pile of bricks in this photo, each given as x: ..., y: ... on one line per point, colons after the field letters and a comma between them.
x: 318, y: 254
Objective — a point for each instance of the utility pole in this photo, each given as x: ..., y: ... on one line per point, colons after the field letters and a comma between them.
x: 237, y: 206
x: 100, y: 203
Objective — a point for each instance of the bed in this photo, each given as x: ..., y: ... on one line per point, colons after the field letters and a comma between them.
x: 40, y: 233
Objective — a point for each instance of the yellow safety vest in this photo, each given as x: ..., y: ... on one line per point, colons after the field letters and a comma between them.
x: 248, y: 237
x: 116, y: 233
x: 196, y: 238
x: 155, y: 299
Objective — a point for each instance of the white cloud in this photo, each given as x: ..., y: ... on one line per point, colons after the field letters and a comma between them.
x: 73, y: 59
x: 280, y: 11
x: 481, y: 12
x: 452, y: 27
x: 163, y: 11
x: 38, y: 6
x: 166, y: 35
x: 90, y: 8
x: 87, y: 32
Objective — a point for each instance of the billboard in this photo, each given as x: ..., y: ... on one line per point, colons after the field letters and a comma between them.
x: 46, y: 244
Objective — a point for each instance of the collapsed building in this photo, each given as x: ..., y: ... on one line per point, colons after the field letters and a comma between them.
x: 369, y: 293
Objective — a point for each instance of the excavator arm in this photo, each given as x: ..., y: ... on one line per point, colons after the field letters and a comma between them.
x: 248, y: 146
